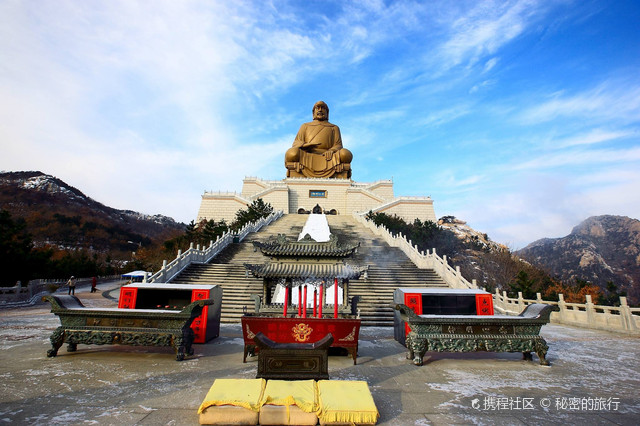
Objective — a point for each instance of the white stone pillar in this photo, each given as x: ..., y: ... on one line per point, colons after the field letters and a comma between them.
x: 628, y: 321
x: 590, y: 310
x: 563, y: 308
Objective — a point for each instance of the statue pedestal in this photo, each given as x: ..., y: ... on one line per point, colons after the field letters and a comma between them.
x: 300, y: 194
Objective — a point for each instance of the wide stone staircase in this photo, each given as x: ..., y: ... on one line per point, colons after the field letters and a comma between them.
x: 389, y: 269
x: 227, y: 269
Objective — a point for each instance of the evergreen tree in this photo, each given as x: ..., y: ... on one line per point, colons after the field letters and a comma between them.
x: 254, y: 212
x: 523, y: 284
x: 15, y: 250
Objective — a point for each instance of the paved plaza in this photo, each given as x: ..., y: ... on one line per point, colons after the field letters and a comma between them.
x: 594, y: 378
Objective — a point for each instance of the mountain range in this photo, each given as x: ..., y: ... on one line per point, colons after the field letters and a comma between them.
x: 599, y: 250
x: 60, y: 215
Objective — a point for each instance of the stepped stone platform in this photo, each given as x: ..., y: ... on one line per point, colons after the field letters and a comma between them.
x: 389, y: 269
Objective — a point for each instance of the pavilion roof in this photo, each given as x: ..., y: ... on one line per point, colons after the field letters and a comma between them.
x: 305, y: 270
x: 280, y: 247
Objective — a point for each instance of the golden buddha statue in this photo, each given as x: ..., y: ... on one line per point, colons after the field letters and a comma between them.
x: 317, y: 151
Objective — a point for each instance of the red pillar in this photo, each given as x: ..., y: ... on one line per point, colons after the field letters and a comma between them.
x: 286, y: 301
x: 321, y: 300
x: 315, y: 297
x: 335, y: 298
x: 304, y: 308
x: 299, y: 300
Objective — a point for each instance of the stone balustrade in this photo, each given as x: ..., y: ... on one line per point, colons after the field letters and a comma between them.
x: 587, y: 315
x: 203, y: 255
x: 35, y: 289
x: 428, y: 260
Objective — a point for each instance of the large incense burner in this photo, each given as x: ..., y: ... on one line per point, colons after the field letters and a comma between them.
x: 116, y: 326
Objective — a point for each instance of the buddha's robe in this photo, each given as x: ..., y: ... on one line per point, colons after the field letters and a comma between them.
x: 307, y: 154
x: 317, y: 137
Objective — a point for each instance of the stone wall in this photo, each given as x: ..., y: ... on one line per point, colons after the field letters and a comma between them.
x: 220, y: 205
x: 409, y: 208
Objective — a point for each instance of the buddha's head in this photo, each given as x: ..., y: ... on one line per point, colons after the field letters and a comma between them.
x: 320, y: 111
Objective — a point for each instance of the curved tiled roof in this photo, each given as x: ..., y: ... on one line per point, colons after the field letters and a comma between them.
x: 280, y: 247
x: 305, y: 270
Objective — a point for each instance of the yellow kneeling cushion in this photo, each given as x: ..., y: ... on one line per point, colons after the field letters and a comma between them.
x: 289, y: 403
x: 232, y: 402
x: 346, y: 402
x: 247, y: 401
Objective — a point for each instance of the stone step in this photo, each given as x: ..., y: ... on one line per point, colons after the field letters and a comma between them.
x: 389, y: 269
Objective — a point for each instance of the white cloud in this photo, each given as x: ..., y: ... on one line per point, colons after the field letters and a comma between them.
x: 595, y: 136
x: 484, y: 29
x: 451, y: 182
x: 533, y: 205
x: 144, y: 106
x: 580, y: 158
x: 611, y: 100
x: 488, y: 66
x: 444, y: 115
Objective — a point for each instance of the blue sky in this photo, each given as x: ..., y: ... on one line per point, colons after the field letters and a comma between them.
x: 520, y: 117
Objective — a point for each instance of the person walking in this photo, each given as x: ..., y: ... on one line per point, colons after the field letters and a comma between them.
x: 94, y: 282
x: 72, y: 285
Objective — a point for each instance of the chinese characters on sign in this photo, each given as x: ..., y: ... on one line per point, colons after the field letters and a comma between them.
x: 495, y: 403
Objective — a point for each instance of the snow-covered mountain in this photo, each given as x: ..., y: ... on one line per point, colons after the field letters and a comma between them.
x: 58, y: 213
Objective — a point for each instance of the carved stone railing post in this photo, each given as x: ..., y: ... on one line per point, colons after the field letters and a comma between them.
x: 628, y: 321
x: 590, y: 310
x: 563, y: 308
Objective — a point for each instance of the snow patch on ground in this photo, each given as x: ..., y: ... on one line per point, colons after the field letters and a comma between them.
x: 236, y: 341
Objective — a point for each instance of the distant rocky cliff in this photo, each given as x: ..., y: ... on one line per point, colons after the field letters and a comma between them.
x: 598, y: 250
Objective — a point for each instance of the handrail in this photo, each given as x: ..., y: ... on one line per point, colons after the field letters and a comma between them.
x: 197, y: 255
x: 428, y: 260
x: 19, y: 294
x: 587, y: 315
x: 371, y: 194
x: 267, y: 190
x: 397, y: 200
